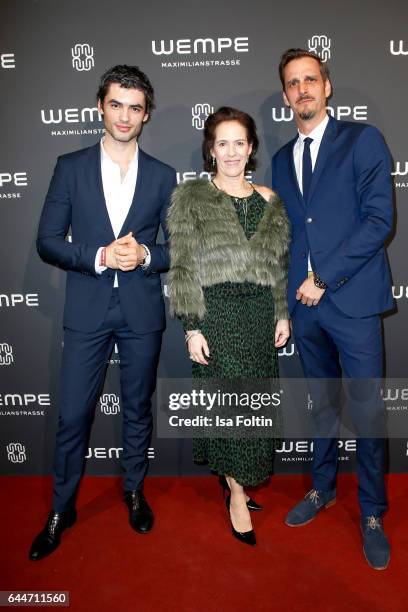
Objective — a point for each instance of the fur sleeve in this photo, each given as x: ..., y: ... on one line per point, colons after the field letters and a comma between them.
x: 271, y: 253
x: 185, y: 291
x: 283, y: 228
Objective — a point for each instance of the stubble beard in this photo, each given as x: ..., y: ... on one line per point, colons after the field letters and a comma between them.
x: 307, y: 115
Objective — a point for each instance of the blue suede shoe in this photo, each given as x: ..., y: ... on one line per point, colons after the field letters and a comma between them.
x: 375, y: 543
x: 306, y: 510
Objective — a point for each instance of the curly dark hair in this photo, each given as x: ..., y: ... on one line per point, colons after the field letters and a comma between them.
x: 227, y: 113
x: 128, y: 77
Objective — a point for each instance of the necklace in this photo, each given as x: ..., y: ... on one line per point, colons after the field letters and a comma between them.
x: 244, y: 203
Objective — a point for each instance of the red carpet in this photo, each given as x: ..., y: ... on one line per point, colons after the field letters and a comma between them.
x: 191, y: 563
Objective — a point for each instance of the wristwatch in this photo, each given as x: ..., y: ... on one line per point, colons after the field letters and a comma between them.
x: 318, y: 281
x: 143, y: 262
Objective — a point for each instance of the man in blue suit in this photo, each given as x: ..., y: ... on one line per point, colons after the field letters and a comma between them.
x: 335, y: 180
x: 114, y: 197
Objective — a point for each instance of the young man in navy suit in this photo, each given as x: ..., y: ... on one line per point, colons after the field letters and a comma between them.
x: 335, y: 180
x: 114, y: 197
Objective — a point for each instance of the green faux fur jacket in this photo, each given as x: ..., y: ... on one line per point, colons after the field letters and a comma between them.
x: 208, y: 246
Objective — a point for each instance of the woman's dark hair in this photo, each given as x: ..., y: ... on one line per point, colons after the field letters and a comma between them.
x: 128, y: 77
x: 227, y: 113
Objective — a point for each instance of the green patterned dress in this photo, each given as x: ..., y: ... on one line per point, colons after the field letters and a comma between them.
x: 239, y: 327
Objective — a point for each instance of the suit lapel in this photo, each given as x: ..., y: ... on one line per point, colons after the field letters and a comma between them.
x: 323, y: 155
x: 138, y: 196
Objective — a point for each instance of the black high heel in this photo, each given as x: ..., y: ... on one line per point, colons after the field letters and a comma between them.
x: 251, y: 503
x: 246, y: 537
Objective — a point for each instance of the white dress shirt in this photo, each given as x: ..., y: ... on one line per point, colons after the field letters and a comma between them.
x: 317, y: 135
x: 118, y: 194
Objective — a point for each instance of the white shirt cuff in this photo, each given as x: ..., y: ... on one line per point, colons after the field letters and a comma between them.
x: 98, y: 268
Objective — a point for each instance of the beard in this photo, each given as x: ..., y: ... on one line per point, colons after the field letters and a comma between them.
x: 307, y: 115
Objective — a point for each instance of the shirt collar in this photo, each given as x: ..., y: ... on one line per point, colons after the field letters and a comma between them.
x: 317, y: 133
x: 106, y: 158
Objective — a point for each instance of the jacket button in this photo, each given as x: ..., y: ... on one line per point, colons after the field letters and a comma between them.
x: 303, y: 254
x: 309, y: 220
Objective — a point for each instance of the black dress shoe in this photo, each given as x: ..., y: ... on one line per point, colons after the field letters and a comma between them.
x: 253, y: 506
x: 251, y: 503
x: 50, y: 537
x: 141, y: 517
x: 246, y: 537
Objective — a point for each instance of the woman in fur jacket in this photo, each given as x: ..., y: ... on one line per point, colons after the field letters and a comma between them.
x: 229, y: 244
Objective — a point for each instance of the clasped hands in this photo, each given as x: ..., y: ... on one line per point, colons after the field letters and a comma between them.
x: 308, y: 293
x: 125, y: 253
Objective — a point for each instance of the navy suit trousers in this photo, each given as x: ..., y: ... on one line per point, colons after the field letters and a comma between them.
x: 84, y: 363
x: 331, y: 344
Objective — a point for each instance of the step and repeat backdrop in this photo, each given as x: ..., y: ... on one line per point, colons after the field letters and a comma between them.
x: 199, y: 55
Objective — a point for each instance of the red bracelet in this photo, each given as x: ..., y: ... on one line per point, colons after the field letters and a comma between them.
x: 102, y: 259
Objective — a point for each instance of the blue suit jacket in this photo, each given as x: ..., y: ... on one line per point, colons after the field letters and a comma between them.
x: 346, y: 220
x: 75, y: 199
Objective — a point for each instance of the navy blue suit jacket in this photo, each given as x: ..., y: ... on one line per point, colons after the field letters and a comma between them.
x: 75, y: 199
x: 346, y: 220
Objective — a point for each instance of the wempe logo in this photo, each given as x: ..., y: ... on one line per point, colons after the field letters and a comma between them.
x: 302, y: 450
x: 82, y: 56
x: 191, y: 175
x: 358, y: 113
x: 396, y: 399
x: 23, y: 404
x: 26, y: 404
x: 401, y: 169
x: 7, y: 60
x: 399, y: 292
x: 16, y: 452
x: 200, y: 113
x: 16, y: 299
x: 207, y: 48
x: 109, y: 403
x: 320, y: 44
x: 397, y: 48
x: 287, y: 351
x: 391, y: 394
x: 25, y: 399
x: 6, y: 354
x: 101, y: 452
x: 64, y: 116
x: 12, y: 179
